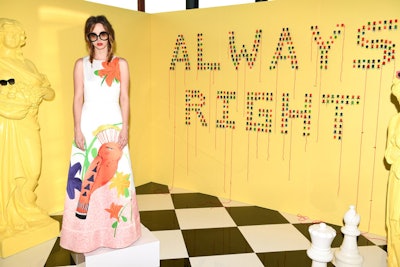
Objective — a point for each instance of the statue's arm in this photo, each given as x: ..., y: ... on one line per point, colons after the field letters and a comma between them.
x: 47, y: 91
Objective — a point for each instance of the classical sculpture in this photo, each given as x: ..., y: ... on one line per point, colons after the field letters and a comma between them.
x: 392, y: 156
x: 22, y: 89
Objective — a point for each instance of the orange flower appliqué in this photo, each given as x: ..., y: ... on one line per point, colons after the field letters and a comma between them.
x: 114, y: 211
x: 110, y: 71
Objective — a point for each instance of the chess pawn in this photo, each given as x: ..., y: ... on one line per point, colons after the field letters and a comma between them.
x: 348, y: 255
x: 321, y: 239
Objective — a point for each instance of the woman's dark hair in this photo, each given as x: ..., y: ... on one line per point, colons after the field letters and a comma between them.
x: 89, y: 25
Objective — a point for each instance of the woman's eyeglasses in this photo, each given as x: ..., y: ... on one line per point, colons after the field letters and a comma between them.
x: 93, y: 37
x: 4, y: 82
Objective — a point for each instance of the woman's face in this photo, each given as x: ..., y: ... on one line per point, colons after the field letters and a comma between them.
x: 13, y: 36
x: 99, y: 37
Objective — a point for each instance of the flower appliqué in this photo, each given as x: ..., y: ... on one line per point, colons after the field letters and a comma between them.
x: 110, y: 71
x: 73, y: 181
x: 121, y: 183
x: 115, y: 211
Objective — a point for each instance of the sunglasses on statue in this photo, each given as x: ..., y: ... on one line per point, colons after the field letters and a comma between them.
x: 4, y: 82
x: 93, y: 37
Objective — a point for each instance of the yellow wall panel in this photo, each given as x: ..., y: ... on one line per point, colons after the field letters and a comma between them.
x: 55, y: 40
x: 305, y: 51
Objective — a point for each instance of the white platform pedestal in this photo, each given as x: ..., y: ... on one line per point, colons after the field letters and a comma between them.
x: 143, y: 253
x: 31, y: 257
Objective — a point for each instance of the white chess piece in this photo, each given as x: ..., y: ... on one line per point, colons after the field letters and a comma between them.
x: 348, y: 254
x: 320, y: 251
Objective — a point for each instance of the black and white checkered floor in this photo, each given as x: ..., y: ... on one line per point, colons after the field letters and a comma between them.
x: 198, y: 230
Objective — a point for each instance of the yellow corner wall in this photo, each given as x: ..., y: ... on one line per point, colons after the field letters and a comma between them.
x: 55, y: 40
x: 318, y: 175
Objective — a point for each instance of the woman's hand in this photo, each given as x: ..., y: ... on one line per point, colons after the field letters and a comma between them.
x: 123, y: 138
x: 79, y: 140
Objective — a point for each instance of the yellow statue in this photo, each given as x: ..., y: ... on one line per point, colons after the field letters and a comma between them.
x: 22, y: 88
x: 392, y: 156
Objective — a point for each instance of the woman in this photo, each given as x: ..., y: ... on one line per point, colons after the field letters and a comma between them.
x: 100, y: 206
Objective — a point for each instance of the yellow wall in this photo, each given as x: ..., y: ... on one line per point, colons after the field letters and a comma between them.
x: 317, y: 176
x: 55, y: 40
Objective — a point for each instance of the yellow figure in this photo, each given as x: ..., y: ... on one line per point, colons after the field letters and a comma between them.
x: 392, y: 156
x: 22, y: 88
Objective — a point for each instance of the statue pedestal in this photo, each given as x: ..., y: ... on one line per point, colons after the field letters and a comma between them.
x: 32, y: 257
x: 37, y: 234
x: 144, y: 252
x: 30, y: 247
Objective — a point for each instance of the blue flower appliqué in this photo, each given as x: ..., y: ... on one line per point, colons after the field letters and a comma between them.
x: 74, y: 182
